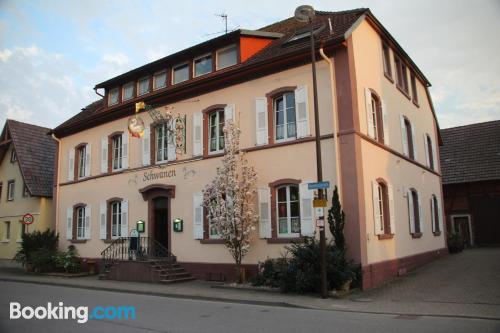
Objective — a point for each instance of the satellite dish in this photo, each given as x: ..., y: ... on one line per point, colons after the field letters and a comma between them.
x: 304, y: 13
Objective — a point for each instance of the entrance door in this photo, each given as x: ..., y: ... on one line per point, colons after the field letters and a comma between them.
x: 160, y: 206
x: 461, y: 226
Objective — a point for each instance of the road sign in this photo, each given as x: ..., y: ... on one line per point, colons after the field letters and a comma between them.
x: 320, y: 223
x: 319, y: 185
x: 27, y: 219
x: 320, y: 203
x: 319, y: 211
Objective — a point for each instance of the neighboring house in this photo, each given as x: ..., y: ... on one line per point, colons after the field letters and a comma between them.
x: 27, y: 157
x: 470, y: 160
x: 388, y: 139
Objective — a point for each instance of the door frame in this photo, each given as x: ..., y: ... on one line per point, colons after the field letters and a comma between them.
x: 468, y: 216
x: 151, y: 192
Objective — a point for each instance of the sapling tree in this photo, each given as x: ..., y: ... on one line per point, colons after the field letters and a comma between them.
x: 336, y: 221
x: 229, y: 199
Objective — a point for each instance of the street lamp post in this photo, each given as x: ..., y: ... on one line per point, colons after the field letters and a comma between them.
x: 306, y: 14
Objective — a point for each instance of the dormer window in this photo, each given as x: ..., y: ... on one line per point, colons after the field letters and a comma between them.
x: 203, y: 65
x: 160, y: 80
x: 143, y: 86
x: 180, y: 73
x: 128, y: 91
x: 303, y: 34
x: 113, y: 97
x: 227, y: 56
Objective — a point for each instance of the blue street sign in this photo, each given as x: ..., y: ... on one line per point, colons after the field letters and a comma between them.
x: 320, y: 185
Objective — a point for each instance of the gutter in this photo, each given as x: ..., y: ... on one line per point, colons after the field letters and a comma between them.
x: 57, y: 181
x: 335, y: 122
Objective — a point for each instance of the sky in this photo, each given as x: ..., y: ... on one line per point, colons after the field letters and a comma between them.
x: 52, y: 53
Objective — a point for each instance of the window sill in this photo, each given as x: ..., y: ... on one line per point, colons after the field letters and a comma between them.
x: 78, y: 241
x: 385, y: 236
x: 108, y: 241
x: 407, y: 95
x: 212, y: 241
x: 285, y: 240
x: 388, y: 77
x: 415, y: 103
x: 19, y: 241
x: 416, y: 235
x: 210, y: 155
x: 436, y: 233
x: 5, y: 241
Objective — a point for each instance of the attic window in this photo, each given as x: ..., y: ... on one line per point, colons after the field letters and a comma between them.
x: 113, y: 96
x: 13, y: 156
x: 203, y: 65
x: 305, y: 33
x: 227, y: 57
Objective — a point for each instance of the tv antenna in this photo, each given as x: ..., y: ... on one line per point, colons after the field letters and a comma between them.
x: 224, y: 17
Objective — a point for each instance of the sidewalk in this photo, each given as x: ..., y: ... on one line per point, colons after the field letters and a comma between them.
x: 409, y: 295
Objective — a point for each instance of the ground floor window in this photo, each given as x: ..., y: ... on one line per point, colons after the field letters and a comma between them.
x: 80, y: 223
x: 288, y: 211
x: 116, y: 219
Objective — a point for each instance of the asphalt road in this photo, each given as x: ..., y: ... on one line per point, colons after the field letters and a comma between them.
x: 162, y: 314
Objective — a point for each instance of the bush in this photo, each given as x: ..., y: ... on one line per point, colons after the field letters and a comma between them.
x: 42, y: 260
x: 68, y: 261
x: 35, y: 241
x: 455, y: 242
x: 299, y: 269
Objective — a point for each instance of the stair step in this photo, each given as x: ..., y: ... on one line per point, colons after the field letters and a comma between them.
x: 185, y: 279
x: 169, y: 276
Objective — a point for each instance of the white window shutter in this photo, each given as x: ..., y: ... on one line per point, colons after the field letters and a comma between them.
x: 198, y: 215
x: 302, y: 112
x: 404, y: 136
x: 426, y: 150
x: 125, y: 150
x: 171, y: 151
x: 102, y: 218
x: 197, y: 134
x: 392, y: 214
x: 385, y: 120
x: 71, y: 164
x: 369, y: 114
x: 261, y: 125
x: 88, y: 163
x: 88, y: 215
x: 421, y: 217
x: 307, y: 227
x: 264, y: 212
x: 69, y: 223
x: 104, y: 154
x: 124, y: 227
x: 440, y: 214
x: 433, y: 210
x: 415, y: 150
x: 378, y: 223
x: 229, y: 113
x: 411, y: 215
x: 146, y: 147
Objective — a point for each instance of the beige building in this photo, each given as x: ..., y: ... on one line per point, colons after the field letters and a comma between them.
x: 27, y: 157
x: 387, y: 137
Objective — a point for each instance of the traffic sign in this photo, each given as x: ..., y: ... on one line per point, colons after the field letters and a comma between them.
x: 320, y: 223
x: 28, y: 219
x: 319, y: 211
x: 320, y: 203
x: 319, y: 185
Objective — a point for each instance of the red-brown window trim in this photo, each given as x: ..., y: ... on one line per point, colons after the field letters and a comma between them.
x: 416, y: 213
x: 152, y: 141
x: 413, y: 86
x: 74, y: 239
x: 110, y: 149
x: 108, y: 216
x: 77, y: 159
x: 205, y: 114
x: 273, y: 186
x: 271, y: 96
x: 387, y: 61
x: 379, y: 115
x: 386, y: 213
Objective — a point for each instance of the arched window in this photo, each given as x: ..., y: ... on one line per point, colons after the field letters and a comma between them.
x: 115, y: 209
x: 288, y: 211
x: 435, y: 212
x: 375, y: 118
x: 116, y: 152
x: 407, y: 133
x: 80, y: 222
x: 414, y: 213
x: 284, y: 117
x: 429, y: 151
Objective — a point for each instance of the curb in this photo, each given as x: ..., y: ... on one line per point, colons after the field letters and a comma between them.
x: 242, y: 301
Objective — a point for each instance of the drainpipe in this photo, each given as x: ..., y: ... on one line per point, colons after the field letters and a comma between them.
x: 335, y: 122
x: 57, y: 181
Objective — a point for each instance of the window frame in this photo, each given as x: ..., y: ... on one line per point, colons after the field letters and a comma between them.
x: 125, y: 86
x: 386, y: 61
x: 385, y: 217
x: 435, y: 218
x: 174, y: 68
x: 119, y: 150
x: 155, y: 75
x: 430, y: 152
x: 115, y: 216
x: 409, y: 138
x: 285, y: 117
x: 289, y: 217
x: 11, y: 192
x: 164, y: 125
x: 142, y: 79
x: 378, y: 117
x: 414, y: 93
x: 206, y: 55
x: 80, y: 156
x: 13, y: 156
x: 417, y: 219
x: 80, y: 218
x: 8, y: 231
x: 110, y: 94
x: 218, y: 130
x: 217, y: 66
x: 401, y: 75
